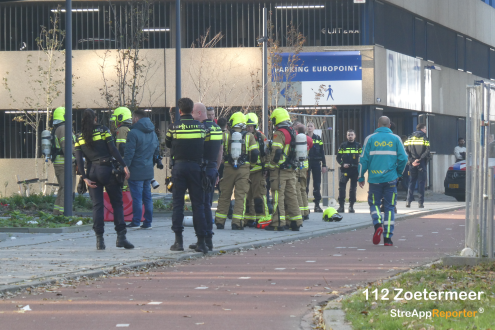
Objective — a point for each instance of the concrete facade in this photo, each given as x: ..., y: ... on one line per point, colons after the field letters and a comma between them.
x: 470, y: 17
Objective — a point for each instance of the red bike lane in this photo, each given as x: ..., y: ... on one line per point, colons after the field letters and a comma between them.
x: 267, y: 288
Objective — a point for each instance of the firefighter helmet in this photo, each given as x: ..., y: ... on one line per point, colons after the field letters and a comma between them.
x: 252, y: 119
x: 237, y: 120
x: 59, y: 114
x: 331, y: 215
x: 279, y: 116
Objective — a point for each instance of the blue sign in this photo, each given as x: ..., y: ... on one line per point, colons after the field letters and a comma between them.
x: 324, y: 66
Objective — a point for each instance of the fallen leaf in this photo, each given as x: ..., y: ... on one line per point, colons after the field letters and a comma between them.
x: 365, y: 312
x: 188, y: 316
x: 142, y: 310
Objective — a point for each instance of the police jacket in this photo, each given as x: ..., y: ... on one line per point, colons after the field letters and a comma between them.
x: 141, y: 146
x: 349, y: 154
x: 213, y: 142
x: 102, y: 150
x: 417, y: 147
x: 186, y: 138
x: 121, y: 137
x: 383, y: 157
x: 317, y: 153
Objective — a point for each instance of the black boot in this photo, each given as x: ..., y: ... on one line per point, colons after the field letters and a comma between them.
x: 201, y: 245
x: 341, y: 209
x: 294, y: 226
x: 179, y: 243
x: 318, y: 209
x: 209, y: 242
x: 351, y: 209
x: 100, y: 242
x: 122, y: 240
x: 193, y: 246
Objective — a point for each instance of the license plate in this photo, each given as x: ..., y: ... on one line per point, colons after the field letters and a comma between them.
x: 454, y: 186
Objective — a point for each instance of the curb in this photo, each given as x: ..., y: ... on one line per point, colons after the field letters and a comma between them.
x: 61, y: 230
x: 195, y: 255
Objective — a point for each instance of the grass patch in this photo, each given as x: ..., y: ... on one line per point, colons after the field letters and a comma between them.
x: 41, y: 220
x: 39, y: 202
x: 377, y: 314
x: 159, y: 205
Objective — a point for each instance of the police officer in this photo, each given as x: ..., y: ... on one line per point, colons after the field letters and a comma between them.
x: 348, y: 158
x: 282, y: 176
x: 58, y: 157
x: 212, y: 157
x: 257, y: 211
x: 186, y: 138
x: 123, y: 123
x: 418, y: 152
x: 97, y: 146
x: 317, y: 165
x: 240, y: 149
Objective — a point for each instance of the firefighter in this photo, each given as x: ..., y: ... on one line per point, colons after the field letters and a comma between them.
x: 58, y: 158
x: 240, y: 149
x: 302, y: 176
x: 123, y: 122
x: 418, y: 152
x: 257, y: 208
x: 282, y: 176
x: 348, y: 158
x: 317, y: 165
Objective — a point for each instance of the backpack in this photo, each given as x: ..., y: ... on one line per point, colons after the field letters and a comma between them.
x: 243, y: 158
x: 290, y: 160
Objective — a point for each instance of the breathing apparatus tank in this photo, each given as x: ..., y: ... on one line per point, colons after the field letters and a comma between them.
x: 236, y: 147
x: 301, y: 148
x: 46, y: 144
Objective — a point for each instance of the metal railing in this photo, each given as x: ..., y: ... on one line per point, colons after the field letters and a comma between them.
x: 480, y: 170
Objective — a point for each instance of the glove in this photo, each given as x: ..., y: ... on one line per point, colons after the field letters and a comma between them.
x: 81, y: 186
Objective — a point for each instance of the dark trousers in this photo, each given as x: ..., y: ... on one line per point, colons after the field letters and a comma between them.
x: 405, y: 179
x: 388, y: 192
x: 417, y: 174
x: 212, y: 175
x: 187, y: 176
x: 315, y: 169
x: 103, y: 177
x: 345, y: 176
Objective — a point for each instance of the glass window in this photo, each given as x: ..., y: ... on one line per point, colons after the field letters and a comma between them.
x: 461, y: 53
x: 419, y: 38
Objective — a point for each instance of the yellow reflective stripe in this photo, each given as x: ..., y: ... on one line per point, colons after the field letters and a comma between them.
x: 353, y: 151
x: 256, y: 168
x: 120, y: 140
x: 393, y: 198
x: 189, y: 136
x: 276, y: 144
x: 219, y: 215
x: 373, y: 195
x: 389, y: 219
x: 378, y: 212
x: 297, y: 217
x: 254, y: 146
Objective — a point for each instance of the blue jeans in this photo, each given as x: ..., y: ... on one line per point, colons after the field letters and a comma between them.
x: 417, y: 174
x: 141, y: 194
x: 387, y: 191
x: 187, y: 176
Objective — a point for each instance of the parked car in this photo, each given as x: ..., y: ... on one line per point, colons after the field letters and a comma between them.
x: 455, y: 181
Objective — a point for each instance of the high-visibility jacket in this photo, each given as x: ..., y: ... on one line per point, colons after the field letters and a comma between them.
x: 383, y: 157
x: 248, y: 146
x: 417, y: 146
x: 349, y: 154
x: 59, y: 137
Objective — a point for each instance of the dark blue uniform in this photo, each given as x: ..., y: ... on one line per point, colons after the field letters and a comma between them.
x: 213, y: 143
x: 100, y: 171
x: 186, y: 138
x: 316, y: 162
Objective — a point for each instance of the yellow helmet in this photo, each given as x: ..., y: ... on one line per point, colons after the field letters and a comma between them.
x: 59, y: 114
x: 122, y: 114
x: 252, y: 119
x: 330, y: 215
x: 237, y: 120
x: 279, y: 115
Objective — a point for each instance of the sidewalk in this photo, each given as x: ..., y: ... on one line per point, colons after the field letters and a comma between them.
x: 30, y: 259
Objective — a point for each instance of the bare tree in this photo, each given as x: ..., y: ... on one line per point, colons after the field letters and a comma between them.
x: 133, y: 70
x: 45, y: 80
x: 282, y: 73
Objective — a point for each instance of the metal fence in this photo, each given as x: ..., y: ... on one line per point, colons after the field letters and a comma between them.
x: 480, y: 166
x: 325, y: 127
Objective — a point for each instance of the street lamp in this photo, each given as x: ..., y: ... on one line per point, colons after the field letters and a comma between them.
x: 264, y: 41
